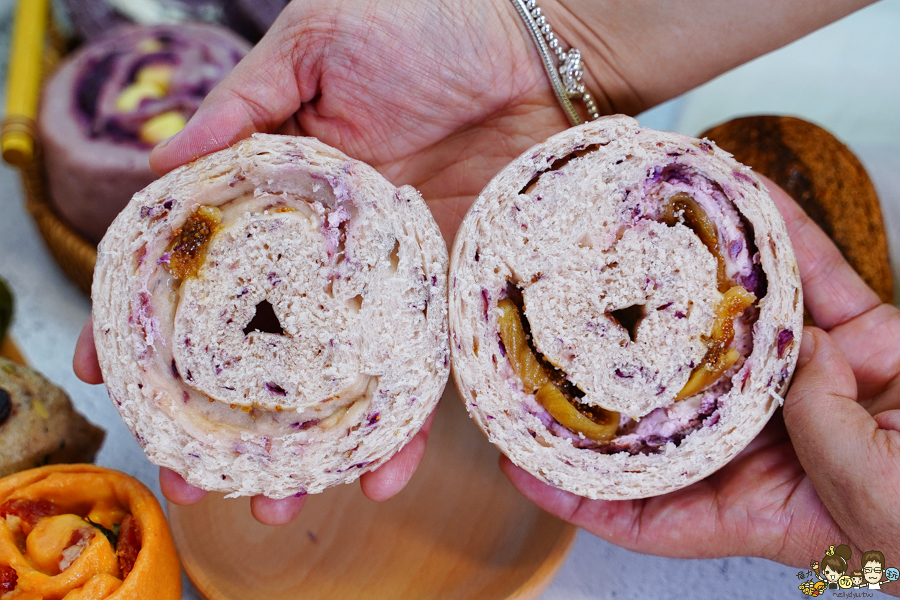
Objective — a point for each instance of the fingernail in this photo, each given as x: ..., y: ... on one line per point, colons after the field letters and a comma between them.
x: 166, y: 141
x: 807, y: 348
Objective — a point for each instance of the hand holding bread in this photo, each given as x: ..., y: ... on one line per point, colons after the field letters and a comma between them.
x: 449, y: 147
x: 826, y: 471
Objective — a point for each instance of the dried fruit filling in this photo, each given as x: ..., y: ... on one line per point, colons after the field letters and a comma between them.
x: 189, y: 244
x: 684, y: 209
x: 597, y: 428
x: 594, y: 423
x: 52, y: 540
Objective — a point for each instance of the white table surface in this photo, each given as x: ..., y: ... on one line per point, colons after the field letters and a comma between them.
x: 845, y: 77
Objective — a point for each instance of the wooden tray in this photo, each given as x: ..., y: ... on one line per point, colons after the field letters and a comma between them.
x: 458, y: 531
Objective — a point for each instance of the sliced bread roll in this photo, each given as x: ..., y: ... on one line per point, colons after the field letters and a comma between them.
x: 272, y: 319
x: 625, y: 309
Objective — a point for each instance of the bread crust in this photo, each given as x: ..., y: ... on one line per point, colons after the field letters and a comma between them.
x: 353, y: 268
x: 39, y: 424
x: 549, y: 222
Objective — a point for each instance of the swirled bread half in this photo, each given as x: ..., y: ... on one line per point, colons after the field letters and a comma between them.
x: 272, y: 318
x: 625, y: 309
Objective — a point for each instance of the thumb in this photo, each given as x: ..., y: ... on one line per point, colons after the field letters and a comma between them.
x: 259, y: 94
x: 828, y: 428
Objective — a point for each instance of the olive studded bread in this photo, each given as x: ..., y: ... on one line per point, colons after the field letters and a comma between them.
x: 38, y: 425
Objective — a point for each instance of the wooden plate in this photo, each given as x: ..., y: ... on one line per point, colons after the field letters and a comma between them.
x: 458, y: 531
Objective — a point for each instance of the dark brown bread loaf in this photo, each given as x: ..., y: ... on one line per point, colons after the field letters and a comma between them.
x: 825, y: 178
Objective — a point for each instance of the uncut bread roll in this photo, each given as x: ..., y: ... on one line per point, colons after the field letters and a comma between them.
x: 625, y: 309
x: 38, y: 424
x: 272, y: 319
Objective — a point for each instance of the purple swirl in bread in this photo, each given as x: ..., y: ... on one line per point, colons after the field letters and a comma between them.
x: 109, y: 103
x: 272, y: 318
x: 624, y: 305
x: 251, y: 18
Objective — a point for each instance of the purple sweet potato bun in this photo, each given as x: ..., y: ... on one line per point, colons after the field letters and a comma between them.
x: 272, y: 318
x: 92, y: 19
x: 95, y: 149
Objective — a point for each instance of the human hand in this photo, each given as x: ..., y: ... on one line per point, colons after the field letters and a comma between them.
x: 826, y: 471
x: 396, y: 85
x: 441, y: 95
x: 438, y: 95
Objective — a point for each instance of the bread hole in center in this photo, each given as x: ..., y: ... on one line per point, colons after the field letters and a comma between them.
x: 265, y: 320
x: 395, y: 256
x: 629, y: 318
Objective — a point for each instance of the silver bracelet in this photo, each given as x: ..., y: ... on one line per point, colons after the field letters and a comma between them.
x: 565, y: 79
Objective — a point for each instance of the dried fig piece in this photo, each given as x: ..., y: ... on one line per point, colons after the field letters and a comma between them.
x: 592, y: 422
x: 719, y: 357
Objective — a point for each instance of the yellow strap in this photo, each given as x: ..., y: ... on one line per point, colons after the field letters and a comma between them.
x: 24, y: 83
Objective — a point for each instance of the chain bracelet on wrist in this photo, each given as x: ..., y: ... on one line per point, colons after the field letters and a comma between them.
x: 566, y: 74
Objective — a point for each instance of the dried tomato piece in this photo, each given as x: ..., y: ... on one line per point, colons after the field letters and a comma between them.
x: 8, y: 578
x: 129, y: 545
x: 30, y: 511
x: 79, y: 541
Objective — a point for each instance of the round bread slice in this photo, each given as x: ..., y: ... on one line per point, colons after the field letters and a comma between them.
x: 625, y: 309
x: 272, y: 318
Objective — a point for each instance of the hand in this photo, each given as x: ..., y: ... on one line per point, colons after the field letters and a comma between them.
x: 826, y: 473
x: 426, y: 92
x: 423, y: 92
x: 442, y: 94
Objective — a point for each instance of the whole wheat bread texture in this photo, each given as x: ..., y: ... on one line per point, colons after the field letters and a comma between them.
x: 564, y: 222
x: 352, y: 272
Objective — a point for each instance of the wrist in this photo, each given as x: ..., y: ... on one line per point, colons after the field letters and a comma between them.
x: 563, y: 67
x: 576, y: 24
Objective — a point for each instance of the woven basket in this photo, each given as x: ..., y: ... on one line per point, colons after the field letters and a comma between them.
x: 72, y: 252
